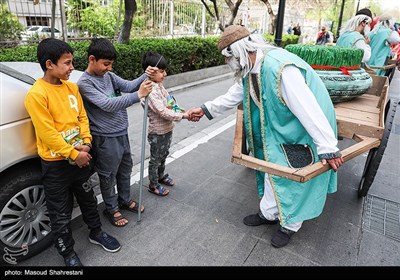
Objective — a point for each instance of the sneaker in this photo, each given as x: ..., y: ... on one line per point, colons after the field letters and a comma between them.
x: 73, y: 261
x: 109, y: 243
x: 258, y: 219
x: 281, y: 237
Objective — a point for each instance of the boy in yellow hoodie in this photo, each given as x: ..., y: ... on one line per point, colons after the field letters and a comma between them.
x: 63, y: 142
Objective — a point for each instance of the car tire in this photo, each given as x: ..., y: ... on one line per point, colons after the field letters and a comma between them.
x: 25, y: 225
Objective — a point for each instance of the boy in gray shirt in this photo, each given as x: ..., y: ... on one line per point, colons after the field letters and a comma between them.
x: 108, y: 119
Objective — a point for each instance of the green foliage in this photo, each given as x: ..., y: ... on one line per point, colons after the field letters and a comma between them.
x: 287, y: 39
x: 20, y: 53
x: 327, y: 55
x: 10, y: 28
x: 182, y: 54
x: 97, y: 20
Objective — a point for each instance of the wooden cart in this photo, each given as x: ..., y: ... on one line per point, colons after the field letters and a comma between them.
x: 367, y: 119
x: 389, y: 67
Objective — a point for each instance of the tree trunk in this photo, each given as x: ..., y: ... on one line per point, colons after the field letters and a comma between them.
x: 271, y: 15
x: 233, y: 7
x: 130, y: 10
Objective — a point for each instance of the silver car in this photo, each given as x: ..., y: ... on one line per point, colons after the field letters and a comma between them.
x: 24, y: 221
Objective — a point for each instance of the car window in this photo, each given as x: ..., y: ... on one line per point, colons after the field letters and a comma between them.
x: 33, y: 28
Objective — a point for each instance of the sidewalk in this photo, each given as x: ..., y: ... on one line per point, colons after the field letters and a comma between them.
x: 200, y: 222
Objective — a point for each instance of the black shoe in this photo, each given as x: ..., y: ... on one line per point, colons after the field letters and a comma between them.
x: 282, y: 237
x: 257, y: 220
x: 73, y: 260
x: 108, y: 242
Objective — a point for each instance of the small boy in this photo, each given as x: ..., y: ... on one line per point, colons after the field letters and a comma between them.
x: 163, y: 111
x: 108, y: 116
x: 64, y: 141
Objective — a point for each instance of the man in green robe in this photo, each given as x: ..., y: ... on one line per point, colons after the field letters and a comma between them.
x: 286, y: 109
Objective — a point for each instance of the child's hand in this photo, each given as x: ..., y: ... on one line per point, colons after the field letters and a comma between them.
x: 195, y: 114
x: 185, y: 115
x: 83, y: 159
x: 145, y: 88
x: 83, y: 148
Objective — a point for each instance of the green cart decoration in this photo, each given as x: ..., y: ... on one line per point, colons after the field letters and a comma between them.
x: 339, y: 68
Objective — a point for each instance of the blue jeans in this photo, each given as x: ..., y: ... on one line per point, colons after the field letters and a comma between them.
x: 113, y: 164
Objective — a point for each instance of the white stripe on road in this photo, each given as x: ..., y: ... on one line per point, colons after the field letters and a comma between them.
x: 188, y: 147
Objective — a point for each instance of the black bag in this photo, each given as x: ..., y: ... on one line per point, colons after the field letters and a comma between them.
x: 298, y: 155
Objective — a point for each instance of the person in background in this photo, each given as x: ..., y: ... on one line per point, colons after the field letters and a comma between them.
x: 285, y: 103
x: 323, y: 37
x: 297, y: 30
x: 163, y: 111
x: 63, y: 140
x: 396, y: 26
x: 365, y: 11
x: 396, y: 48
x: 106, y: 109
x: 290, y: 28
x: 355, y: 34
x: 382, y: 36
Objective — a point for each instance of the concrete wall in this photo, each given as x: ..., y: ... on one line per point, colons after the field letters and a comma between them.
x: 194, y: 77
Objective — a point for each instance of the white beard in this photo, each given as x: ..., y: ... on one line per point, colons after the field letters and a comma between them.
x: 367, y: 31
x: 234, y: 64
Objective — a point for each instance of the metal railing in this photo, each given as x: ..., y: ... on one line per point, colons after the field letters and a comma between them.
x: 76, y: 20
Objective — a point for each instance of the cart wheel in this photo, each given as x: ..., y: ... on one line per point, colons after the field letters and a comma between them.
x: 375, y: 155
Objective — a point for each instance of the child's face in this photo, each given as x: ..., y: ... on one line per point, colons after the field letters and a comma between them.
x: 159, y: 76
x: 101, y: 66
x: 62, y: 70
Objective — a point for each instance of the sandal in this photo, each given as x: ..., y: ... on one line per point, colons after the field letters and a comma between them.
x: 127, y: 206
x: 166, y: 180
x: 114, y: 220
x: 159, y: 190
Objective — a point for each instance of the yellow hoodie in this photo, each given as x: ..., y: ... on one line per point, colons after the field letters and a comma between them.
x: 57, y: 114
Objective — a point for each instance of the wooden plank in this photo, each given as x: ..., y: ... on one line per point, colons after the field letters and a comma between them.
x: 237, y: 143
x: 378, y: 83
x: 267, y: 167
x: 385, y: 67
x: 305, y: 174
x: 364, y: 103
x: 348, y: 129
x: 358, y: 117
x: 349, y: 153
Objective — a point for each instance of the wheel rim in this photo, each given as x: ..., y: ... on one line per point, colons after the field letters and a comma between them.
x: 24, y: 219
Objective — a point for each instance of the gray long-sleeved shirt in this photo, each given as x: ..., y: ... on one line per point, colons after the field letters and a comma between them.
x: 105, y: 108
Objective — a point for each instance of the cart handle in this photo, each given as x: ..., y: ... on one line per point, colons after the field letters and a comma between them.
x: 302, y: 175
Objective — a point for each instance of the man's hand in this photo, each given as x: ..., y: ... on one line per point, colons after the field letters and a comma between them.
x: 335, y: 163
x: 145, y: 88
x: 195, y: 114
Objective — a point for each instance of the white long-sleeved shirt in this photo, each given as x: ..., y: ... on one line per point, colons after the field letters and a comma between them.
x: 299, y: 99
x: 360, y: 44
x: 394, y: 38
